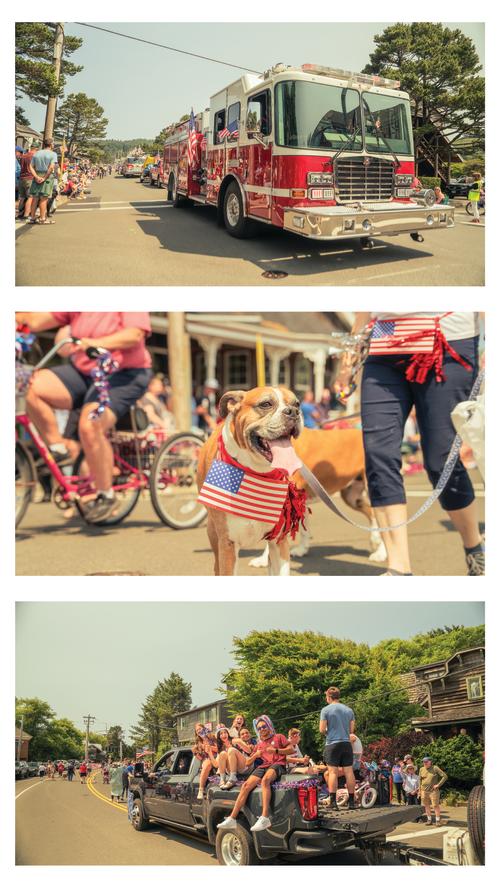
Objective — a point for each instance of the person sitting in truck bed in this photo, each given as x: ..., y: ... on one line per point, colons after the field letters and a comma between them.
x: 237, y: 759
x: 297, y: 763
x: 224, y: 745
x: 273, y: 748
x: 204, y: 748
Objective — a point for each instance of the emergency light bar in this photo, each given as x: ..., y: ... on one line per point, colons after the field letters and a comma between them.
x: 372, y: 79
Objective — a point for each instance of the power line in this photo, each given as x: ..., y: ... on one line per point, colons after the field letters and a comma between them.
x: 184, y: 52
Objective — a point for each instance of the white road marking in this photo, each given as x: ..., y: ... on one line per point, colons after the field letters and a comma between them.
x: 96, y: 209
x: 475, y: 224
x: 28, y: 788
x: 393, y: 274
x: 105, y: 203
x: 399, y: 837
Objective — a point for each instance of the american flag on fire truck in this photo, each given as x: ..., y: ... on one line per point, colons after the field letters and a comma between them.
x: 192, y: 146
x: 404, y: 335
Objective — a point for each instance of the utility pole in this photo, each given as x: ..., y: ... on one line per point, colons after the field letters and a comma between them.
x: 20, y: 739
x: 180, y: 378
x: 87, y: 720
x: 121, y: 746
x: 50, y: 113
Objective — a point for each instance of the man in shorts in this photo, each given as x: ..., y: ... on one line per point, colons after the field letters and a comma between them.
x: 70, y: 386
x: 431, y: 779
x: 272, y: 749
x: 337, y: 723
x: 43, y: 167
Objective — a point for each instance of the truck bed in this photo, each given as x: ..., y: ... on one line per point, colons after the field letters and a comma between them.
x: 378, y: 820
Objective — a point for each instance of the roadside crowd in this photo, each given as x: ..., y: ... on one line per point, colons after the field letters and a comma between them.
x: 41, y: 176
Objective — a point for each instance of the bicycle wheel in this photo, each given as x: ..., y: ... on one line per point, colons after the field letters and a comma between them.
x: 468, y: 208
x: 342, y: 797
x: 25, y: 482
x: 126, y: 500
x: 174, y: 493
x: 368, y: 797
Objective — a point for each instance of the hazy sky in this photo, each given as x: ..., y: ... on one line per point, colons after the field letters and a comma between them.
x: 143, y: 88
x: 104, y: 658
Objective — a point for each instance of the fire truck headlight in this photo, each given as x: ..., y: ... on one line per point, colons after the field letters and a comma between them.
x: 430, y: 220
x: 366, y: 225
x: 298, y: 221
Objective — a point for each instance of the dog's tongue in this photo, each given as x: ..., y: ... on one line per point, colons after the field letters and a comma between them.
x: 284, y: 456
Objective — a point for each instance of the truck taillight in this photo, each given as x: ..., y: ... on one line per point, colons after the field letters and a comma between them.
x: 308, y: 802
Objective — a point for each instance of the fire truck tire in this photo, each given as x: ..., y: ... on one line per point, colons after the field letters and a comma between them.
x: 476, y: 820
x: 177, y: 199
x: 234, y: 215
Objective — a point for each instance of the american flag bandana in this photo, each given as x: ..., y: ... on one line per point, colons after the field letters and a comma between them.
x: 230, y: 489
x: 405, y: 336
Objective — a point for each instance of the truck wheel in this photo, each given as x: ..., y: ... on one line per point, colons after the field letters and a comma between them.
x: 177, y: 199
x: 475, y: 820
x: 139, y: 819
x: 235, y: 848
x: 234, y: 214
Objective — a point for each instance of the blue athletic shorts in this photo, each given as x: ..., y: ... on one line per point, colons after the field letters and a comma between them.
x: 386, y: 400
x: 125, y: 386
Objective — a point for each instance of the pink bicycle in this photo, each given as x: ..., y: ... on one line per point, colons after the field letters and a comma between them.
x: 144, y: 461
x: 365, y: 794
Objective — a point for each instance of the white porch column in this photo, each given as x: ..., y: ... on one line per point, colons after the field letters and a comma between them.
x: 275, y: 356
x: 210, y: 346
x: 318, y: 358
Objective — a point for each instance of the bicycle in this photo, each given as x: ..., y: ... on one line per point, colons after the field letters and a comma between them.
x: 365, y: 794
x: 481, y: 205
x: 172, y: 485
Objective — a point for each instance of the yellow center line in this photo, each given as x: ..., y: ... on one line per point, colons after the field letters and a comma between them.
x: 90, y: 785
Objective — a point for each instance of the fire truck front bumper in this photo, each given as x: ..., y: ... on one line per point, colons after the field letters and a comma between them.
x: 367, y: 221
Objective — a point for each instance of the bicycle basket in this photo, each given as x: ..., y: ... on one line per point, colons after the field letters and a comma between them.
x: 138, y: 451
x: 22, y: 380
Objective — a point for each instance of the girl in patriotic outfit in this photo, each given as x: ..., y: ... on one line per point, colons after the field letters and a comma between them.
x: 428, y: 360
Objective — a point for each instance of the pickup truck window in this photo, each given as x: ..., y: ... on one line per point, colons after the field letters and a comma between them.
x: 165, y: 763
x: 183, y: 763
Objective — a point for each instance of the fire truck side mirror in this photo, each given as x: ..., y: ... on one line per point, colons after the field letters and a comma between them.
x: 253, y: 125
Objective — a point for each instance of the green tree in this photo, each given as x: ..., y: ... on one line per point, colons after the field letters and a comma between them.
x: 51, y: 737
x: 440, y: 69
x: 397, y: 656
x: 80, y: 120
x: 460, y: 757
x: 156, y: 724
x: 285, y: 674
x: 64, y: 740
x: 35, y: 77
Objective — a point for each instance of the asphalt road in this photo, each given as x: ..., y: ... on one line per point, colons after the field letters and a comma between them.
x: 61, y: 823
x: 49, y: 543
x: 126, y: 233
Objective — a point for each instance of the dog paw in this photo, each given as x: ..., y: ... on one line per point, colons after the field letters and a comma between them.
x: 379, y: 555
x: 259, y: 562
x: 299, y: 551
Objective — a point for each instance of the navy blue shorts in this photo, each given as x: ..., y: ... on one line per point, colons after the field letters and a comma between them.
x: 386, y: 400
x: 125, y: 387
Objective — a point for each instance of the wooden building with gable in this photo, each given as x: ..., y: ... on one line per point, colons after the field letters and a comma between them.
x: 452, y: 692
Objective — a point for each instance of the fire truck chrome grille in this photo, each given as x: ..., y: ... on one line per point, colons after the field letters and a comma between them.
x: 356, y: 181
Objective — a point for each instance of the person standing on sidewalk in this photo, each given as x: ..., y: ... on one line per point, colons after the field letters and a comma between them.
x: 26, y: 178
x: 43, y: 166
x: 337, y: 723
x: 397, y: 781
x: 474, y: 195
x: 411, y: 785
x: 432, y: 779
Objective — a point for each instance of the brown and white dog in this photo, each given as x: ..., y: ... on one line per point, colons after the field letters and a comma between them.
x: 257, y: 432
x: 337, y: 459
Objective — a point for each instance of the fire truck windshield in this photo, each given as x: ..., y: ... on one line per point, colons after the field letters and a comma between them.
x: 317, y: 115
x: 387, y: 123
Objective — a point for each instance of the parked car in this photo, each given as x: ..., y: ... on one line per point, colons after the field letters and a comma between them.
x: 132, y: 166
x: 32, y: 769
x: 457, y: 188
x: 300, y: 827
x: 156, y: 174
x: 21, y: 769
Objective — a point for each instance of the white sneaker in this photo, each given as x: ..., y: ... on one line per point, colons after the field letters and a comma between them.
x: 262, y: 823
x: 200, y: 794
x: 227, y: 823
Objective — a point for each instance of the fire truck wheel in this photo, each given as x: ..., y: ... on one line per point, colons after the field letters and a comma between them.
x: 234, y: 217
x: 177, y: 199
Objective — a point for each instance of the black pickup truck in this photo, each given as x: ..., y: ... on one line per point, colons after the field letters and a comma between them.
x: 300, y: 827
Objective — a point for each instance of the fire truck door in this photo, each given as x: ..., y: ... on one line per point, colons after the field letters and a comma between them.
x: 259, y: 169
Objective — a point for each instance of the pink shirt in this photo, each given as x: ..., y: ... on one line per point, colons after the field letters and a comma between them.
x: 272, y: 759
x: 94, y: 325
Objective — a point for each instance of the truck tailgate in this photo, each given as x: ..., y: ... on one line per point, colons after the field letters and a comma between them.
x: 378, y: 820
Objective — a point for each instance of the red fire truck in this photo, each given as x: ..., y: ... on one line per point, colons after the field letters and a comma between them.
x: 324, y: 153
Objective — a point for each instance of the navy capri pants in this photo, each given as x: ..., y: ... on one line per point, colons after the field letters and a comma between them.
x: 387, y: 398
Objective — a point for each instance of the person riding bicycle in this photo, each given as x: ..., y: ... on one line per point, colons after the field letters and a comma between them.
x: 70, y: 386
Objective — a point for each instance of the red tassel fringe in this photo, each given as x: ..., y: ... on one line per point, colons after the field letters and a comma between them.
x: 292, y: 515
